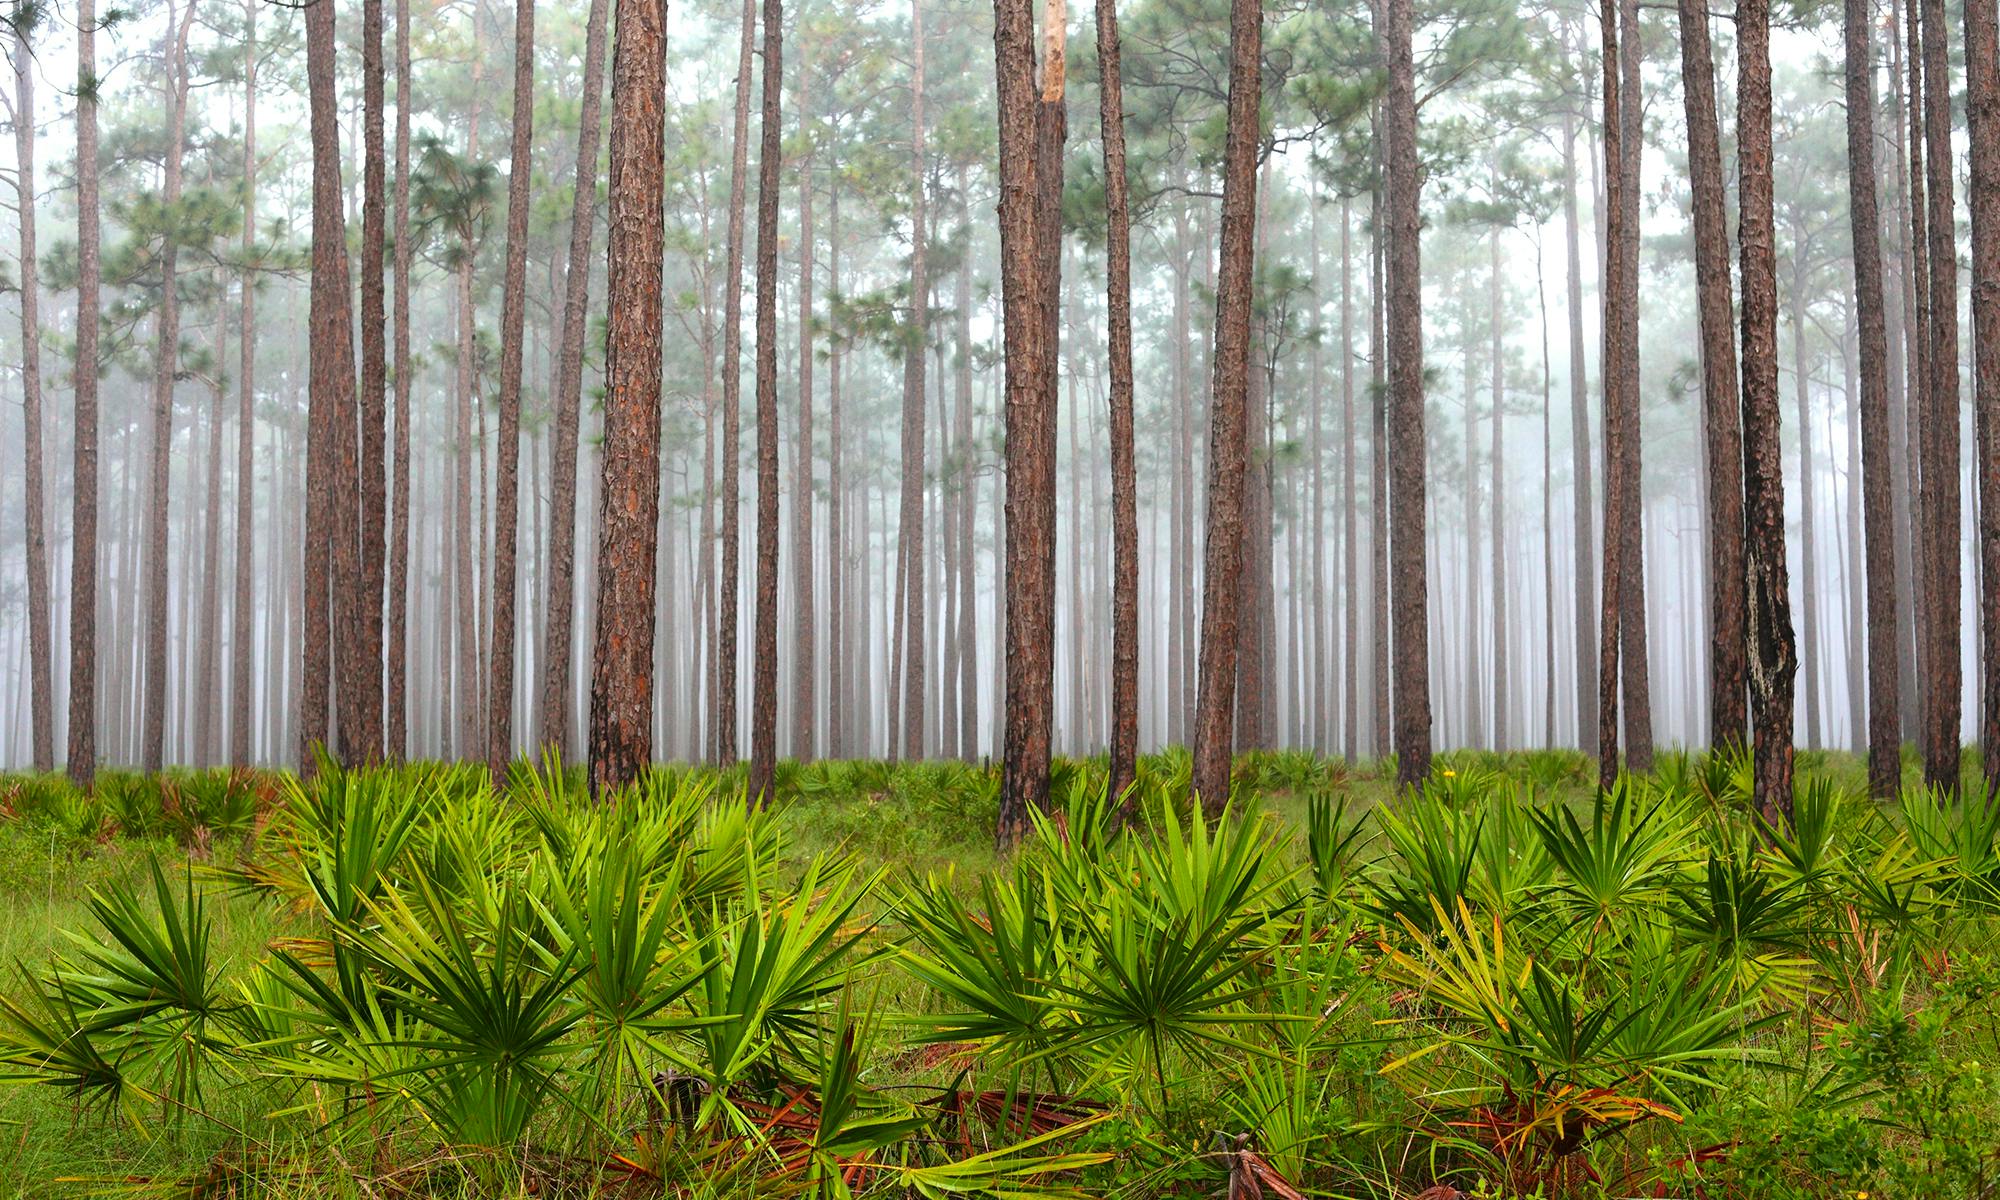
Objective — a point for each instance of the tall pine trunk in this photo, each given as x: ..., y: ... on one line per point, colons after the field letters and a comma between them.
x: 1773, y: 659
x: 621, y: 680
x: 724, y: 700
x: 1943, y: 673
x: 166, y: 365
x: 41, y: 680
x: 513, y: 317
x: 568, y: 393
x: 361, y: 711
x: 1721, y: 416
x: 805, y: 616
x: 1617, y: 454
x: 396, y: 722
x: 1406, y: 400
x: 1982, y: 72
x: 910, y: 582
x: 1124, y: 473
x: 1027, y: 584
x: 1222, y: 560
x: 1583, y: 533
x: 82, y: 750
x: 240, y: 641
x: 764, y: 654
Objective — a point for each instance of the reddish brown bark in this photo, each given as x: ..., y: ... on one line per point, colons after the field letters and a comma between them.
x: 1222, y: 559
x: 82, y: 750
x: 569, y: 389
x: 621, y: 681
x: 513, y: 315
x: 1944, y: 675
x: 1124, y: 473
x: 41, y: 683
x: 1773, y: 660
x: 1982, y: 76
x: 1412, y: 698
x: 396, y: 724
x: 764, y: 655
x: 1865, y: 222
x: 1721, y: 415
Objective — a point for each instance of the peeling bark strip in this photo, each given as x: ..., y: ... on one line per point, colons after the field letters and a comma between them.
x: 621, y: 682
x: 1773, y: 660
x: 1223, y: 555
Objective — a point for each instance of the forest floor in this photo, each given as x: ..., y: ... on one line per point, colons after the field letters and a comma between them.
x: 209, y: 1091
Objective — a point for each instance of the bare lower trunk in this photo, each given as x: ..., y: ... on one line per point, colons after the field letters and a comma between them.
x: 82, y: 750
x: 805, y: 617
x: 240, y: 642
x: 1124, y: 475
x: 1982, y: 70
x: 396, y: 721
x: 1943, y: 674
x: 361, y: 696
x: 1773, y: 661
x: 569, y: 391
x: 41, y: 681
x: 764, y: 657
x: 1406, y: 400
x: 513, y: 317
x: 621, y: 681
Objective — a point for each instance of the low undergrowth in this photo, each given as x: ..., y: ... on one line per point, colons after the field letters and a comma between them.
x: 410, y: 983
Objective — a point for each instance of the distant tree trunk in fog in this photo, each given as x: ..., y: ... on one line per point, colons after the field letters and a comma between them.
x: 1350, y: 744
x: 332, y: 558
x: 41, y: 680
x: 361, y: 712
x: 724, y: 699
x: 764, y: 684
x: 396, y: 688
x: 82, y: 751
x: 166, y: 365
x: 1773, y: 660
x: 1027, y: 585
x: 968, y: 627
x: 1636, y: 671
x: 207, y: 629
x: 1406, y: 400
x: 1124, y: 472
x: 1982, y: 72
x: 1721, y: 415
x: 240, y: 640
x: 568, y: 395
x: 805, y: 616
x: 1549, y: 655
x: 470, y: 733
x: 839, y: 693
x: 1808, y: 516
x: 621, y: 679
x: 1944, y: 676
x: 1584, y: 530
x: 513, y: 318
x: 1502, y: 701
x: 1222, y: 560
x: 910, y: 581
x: 1617, y: 454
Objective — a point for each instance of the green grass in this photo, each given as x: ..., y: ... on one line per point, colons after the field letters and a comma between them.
x: 1500, y: 985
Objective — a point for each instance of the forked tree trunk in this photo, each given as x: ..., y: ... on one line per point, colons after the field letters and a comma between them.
x: 621, y: 680
x: 513, y: 317
x: 569, y: 391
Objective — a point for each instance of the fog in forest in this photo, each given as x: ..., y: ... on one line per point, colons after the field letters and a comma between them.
x: 885, y: 335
